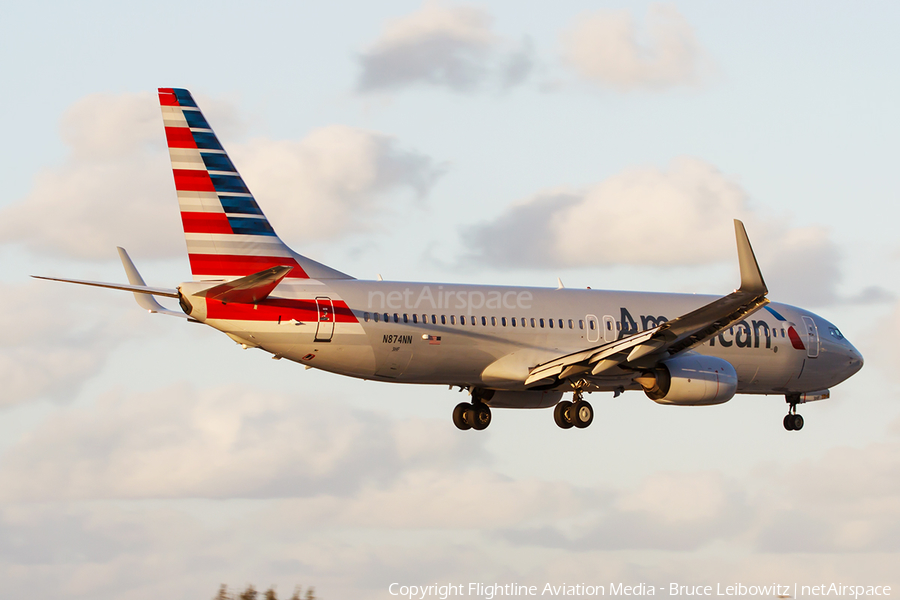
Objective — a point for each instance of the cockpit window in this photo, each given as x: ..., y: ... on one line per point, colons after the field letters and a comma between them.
x: 836, y: 332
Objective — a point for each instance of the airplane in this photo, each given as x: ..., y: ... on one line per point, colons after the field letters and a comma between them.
x: 509, y: 347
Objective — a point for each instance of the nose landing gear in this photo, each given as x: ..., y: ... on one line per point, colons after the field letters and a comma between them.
x: 793, y: 421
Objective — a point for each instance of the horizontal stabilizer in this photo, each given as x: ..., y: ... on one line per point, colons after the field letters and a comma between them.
x: 137, y: 289
x: 249, y: 289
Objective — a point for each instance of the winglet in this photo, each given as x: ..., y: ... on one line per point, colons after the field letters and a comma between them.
x: 751, y: 276
x: 145, y: 301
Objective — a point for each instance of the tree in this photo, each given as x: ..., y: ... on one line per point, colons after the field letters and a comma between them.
x: 249, y: 594
x: 223, y: 593
x: 270, y: 594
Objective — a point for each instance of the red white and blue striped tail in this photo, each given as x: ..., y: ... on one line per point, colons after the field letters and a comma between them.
x: 227, y: 234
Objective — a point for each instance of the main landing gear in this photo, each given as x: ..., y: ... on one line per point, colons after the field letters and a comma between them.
x: 578, y: 414
x: 793, y: 421
x: 475, y: 414
x: 472, y: 415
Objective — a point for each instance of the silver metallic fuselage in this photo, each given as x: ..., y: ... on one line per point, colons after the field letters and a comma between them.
x: 464, y: 335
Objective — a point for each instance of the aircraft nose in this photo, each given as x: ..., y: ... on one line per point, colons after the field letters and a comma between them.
x: 854, y: 360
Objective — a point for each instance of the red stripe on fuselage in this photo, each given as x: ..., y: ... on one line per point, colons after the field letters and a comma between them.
x: 188, y: 180
x: 205, y: 222
x: 235, y: 265
x: 272, y: 309
x: 180, y: 137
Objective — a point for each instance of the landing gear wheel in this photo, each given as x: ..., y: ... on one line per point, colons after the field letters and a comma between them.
x: 481, y: 416
x: 562, y: 414
x: 582, y: 414
x: 789, y: 422
x: 797, y: 423
x: 460, y: 416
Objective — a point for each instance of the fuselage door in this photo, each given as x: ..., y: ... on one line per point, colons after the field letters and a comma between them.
x: 593, y: 328
x: 812, y: 337
x: 325, y: 324
x: 609, y: 328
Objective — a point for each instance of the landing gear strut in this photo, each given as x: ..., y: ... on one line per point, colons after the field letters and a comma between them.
x: 793, y: 421
x: 475, y: 414
x: 579, y: 413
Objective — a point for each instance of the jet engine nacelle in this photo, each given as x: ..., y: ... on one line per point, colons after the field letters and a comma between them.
x: 690, y: 380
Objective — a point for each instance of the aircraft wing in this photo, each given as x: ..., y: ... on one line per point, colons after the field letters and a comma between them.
x: 645, y: 349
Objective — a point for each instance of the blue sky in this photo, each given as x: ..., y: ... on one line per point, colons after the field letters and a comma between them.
x: 609, y: 144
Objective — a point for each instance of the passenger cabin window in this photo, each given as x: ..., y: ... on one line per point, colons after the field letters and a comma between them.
x: 571, y: 324
x: 453, y: 319
x: 532, y: 321
x: 580, y: 323
x: 494, y: 321
x: 443, y: 319
x: 523, y: 321
x: 433, y: 320
x: 542, y: 323
x: 591, y: 324
x: 366, y: 317
x: 484, y: 321
x: 415, y: 318
x: 396, y: 318
x: 405, y: 318
x: 560, y: 324
x: 550, y: 322
x: 513, y: 321
x: 503, y: 321
x: 376, y: 317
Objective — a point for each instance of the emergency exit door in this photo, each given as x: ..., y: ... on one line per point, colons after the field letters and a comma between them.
x: 325, y: 323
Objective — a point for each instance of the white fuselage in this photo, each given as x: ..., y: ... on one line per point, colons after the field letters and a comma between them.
x: 491, y: 336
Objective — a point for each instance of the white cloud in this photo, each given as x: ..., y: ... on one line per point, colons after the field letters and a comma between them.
x: 51, y: 348
x: 651, y: 217
x: 443, y: 46
x: 224, y: 443
x: 334, y: 181
x: 605, y: 47
x: 347, y: 500
x: 115, y: 186
x: 642, y: 216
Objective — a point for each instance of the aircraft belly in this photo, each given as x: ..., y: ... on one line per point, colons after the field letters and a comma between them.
x: 348, y: 352
x: 421, y: 362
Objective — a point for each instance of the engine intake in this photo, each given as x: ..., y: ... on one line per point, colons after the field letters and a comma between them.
x: 690, y: 380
